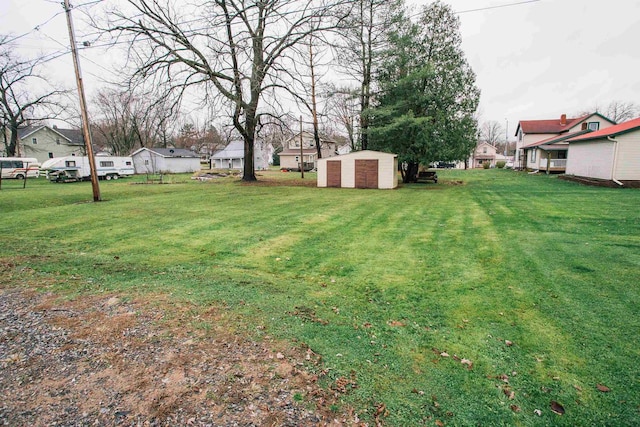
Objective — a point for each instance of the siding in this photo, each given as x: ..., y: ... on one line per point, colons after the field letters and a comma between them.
x: 387, y: 169
x: 591, y: 159
x: 47, y: 143
x: 628, y: 164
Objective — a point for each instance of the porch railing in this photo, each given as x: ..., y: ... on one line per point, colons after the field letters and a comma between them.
x: 555, y: 164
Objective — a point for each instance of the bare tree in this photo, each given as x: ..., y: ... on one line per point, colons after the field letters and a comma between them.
x: 233, y: 50
x: 20, y: 99
x: 203, y: 139
x: 620, y: 111
x: 364, y: 38
x: 128, y: 120
x: 492, y: 132
x: 343, y: 109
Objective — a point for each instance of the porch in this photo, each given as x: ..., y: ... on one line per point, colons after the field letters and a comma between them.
x: 553, y: 165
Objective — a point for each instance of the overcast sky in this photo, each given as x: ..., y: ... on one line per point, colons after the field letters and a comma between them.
x: 533, y: 60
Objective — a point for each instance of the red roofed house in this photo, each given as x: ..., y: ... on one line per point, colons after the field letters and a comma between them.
x: 611, y: 154
x: 542, y: 145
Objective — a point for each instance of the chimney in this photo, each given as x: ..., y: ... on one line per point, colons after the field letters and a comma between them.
x: 563, y: 119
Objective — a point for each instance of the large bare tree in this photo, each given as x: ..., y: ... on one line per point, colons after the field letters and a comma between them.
x: 25, y: 95
x: 236, y: 51
x: 492, y: 132
x: 360, y: 48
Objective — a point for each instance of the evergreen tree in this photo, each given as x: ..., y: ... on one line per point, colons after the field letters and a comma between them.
x: 426, y: 108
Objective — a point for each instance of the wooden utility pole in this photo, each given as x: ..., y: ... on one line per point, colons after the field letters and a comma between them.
x: 301, y: 152
x: 83, y: 107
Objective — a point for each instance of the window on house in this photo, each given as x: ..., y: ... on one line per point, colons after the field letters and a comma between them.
x: 484, y: 150
x: 57, y: 141
x: 562, y: 154
x: 51, y: 155
x: 533, y: 155
x: 593, y: 125
x: 34, y: 141
x: 146, y: 162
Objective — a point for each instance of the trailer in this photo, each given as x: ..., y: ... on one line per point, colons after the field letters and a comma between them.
x: 76, y: 168
x: 19, y: 167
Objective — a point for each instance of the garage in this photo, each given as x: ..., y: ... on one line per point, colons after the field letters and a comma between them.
x: 360, y: 169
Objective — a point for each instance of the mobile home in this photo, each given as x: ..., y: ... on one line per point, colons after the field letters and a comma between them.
x: 19, y: 167
x: 76, y: 168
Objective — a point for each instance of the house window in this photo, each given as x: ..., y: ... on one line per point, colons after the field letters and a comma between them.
x: 146, y: 162
x: 562, y: 154
x: 51, y: 155
x: 484, y: 150
x: 593, y: 125
x: 297, y: 159
x: 533, y: 155
x: 34, y: 141
x: 57, y: 141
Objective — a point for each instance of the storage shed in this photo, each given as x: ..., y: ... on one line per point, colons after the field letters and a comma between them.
x: 611, y: 154
x: 360, y: 169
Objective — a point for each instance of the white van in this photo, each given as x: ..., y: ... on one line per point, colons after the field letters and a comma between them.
x: 19, y: 167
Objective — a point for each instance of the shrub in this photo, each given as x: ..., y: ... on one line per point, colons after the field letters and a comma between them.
x: 486, y: 165
x: 500, y: 164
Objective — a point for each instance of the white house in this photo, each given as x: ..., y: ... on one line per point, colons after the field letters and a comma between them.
x: 290, y: 155
x: 542, y: 142
x: 359, y: 169
x: 611, y: 154
x: 44, y: 142
x: 165, y: 160
x: 232, y: 156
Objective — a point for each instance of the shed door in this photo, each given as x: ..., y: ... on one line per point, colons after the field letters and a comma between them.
x: 367, y: 173
x: 334, y: 173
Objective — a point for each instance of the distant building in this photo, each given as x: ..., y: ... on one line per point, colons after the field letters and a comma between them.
x: 290, y: 155
x: 165, y: 160
x: 232, y: 156
x: 44, y: 142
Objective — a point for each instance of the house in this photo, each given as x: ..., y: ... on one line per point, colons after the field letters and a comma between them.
x: 359, y: 169
x: 541, y: 144
x: 486, y: 153
x: 232, y: 156
x: 610, y: 154
x: 290, y: 155
x: 44, y: 142
x: 165, y: 160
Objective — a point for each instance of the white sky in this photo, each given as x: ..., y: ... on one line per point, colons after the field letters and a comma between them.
x: 533, y: 61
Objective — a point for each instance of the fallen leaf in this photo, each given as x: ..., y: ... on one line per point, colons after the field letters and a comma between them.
x: 603, y: 388
x: 557, y: 408
x: 508, y: 343
x: 467, y: 362
x: 515, y: 408
x: 444, y: 354
x: 538, y: 412
x: 439, y: 423
x: 395, y: 323
x: 509, y: 393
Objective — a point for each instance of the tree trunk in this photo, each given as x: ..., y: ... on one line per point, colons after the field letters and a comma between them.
x: 411, y: 174
x: 13, y: 144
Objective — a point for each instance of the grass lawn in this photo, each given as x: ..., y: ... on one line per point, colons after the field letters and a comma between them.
x: 489, y: 298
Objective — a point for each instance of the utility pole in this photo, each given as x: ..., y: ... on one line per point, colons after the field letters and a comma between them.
x: 83, y: 107
x: 301, y: 152
x: 506, y: 137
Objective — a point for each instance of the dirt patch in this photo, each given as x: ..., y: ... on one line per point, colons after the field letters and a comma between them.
x: 106, y: 360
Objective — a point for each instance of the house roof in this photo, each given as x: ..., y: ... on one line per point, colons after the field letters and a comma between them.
x: 234, y: 150
x: 168, y: 152
x: 73, y: 136
x: 556, y: 139
x: 554, y: 125
x: 612, y: 131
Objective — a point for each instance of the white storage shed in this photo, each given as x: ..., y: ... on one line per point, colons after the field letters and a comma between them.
x: 359, y: 169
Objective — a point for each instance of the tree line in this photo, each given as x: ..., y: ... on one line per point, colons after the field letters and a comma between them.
x: 385, y: 78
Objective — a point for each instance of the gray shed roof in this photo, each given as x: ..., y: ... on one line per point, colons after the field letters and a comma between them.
x: 169, y: 152
x: 235, y: 150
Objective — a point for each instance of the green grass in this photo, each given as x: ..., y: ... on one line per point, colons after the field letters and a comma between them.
x: 380, y: 283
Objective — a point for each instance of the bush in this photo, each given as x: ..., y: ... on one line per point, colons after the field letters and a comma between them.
x: 500, y: 164
x: 486, y: 165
